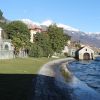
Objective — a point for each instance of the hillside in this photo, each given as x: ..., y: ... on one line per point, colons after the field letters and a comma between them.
x: 92, y: 39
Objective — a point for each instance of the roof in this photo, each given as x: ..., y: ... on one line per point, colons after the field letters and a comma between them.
x: 82, y: 48
x: 79, y: 49
x: 44, y: 28
x: 30, y: 26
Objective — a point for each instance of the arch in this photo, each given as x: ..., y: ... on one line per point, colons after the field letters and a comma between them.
x: 86, y: 56
x: 6, y: 47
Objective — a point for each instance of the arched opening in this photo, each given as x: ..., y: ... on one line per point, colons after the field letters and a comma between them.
x: 6, y: 47
x: 86, y: 56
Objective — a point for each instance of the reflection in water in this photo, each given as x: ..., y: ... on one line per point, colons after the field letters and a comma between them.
x: 88, y: 72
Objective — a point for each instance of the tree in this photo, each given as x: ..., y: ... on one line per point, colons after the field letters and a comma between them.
x: 3, y: 24
x: 42, y: 40
x: 1, y: 14
x: 66, y: 38
x: 35, y: 51
x: 57, y: 38
x: 18, y: 33
x: 77, y: 44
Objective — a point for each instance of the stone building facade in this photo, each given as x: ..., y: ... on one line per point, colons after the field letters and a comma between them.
x: 85, y: 53
x: 6, y: 48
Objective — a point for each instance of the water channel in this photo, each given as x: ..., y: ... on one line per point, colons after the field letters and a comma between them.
x: 88, y: 72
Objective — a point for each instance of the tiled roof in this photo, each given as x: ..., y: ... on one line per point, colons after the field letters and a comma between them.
x: 30, y: 26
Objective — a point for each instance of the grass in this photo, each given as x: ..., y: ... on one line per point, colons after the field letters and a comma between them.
x: 18, y: 78
x: 22, y: 65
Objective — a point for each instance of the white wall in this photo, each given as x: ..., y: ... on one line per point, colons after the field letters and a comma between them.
x: 85, y: 50
x: 66, y: 50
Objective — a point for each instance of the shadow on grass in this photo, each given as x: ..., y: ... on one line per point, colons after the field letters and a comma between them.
x: 30, y: 87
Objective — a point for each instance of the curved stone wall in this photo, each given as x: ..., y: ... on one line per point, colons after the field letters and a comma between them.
x: 66, y: 80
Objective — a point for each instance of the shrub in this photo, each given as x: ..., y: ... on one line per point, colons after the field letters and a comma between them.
x: 36, y: 51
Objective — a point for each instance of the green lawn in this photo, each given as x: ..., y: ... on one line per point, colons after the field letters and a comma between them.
x: 22, y: 65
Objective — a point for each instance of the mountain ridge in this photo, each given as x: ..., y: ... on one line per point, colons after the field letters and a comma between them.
x: 90, y: 38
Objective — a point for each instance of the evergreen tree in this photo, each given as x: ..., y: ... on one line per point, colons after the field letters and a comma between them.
x: 1, y: 14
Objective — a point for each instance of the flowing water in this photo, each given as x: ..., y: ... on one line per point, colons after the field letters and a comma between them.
x: 88, y: 72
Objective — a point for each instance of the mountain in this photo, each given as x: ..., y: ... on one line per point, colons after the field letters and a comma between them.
x: 90, y: 38
x: 3, y: 20
x: 48, y: 23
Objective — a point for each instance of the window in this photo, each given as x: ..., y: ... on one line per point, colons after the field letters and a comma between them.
x: 72, y: 53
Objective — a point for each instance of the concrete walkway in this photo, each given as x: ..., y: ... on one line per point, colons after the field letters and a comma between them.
x: 49, y: 68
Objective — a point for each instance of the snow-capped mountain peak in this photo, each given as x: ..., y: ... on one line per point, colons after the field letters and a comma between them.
x: 28, y: 21
x: 67, y: 27
x: 48, y: 23
x: 91, y: 38
x: 91, y: 33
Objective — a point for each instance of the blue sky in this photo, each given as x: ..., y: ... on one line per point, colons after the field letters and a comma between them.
x: 81, y: 14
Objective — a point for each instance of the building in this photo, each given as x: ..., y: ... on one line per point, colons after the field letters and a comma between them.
x: 72, y: 48
x: 33, y: 30
x: 65, y: 50
x: 6, y: 47
x: 72, y: 51
x: 84, y: 53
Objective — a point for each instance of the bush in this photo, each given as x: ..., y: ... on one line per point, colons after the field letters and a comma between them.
x: 36, y: 51
x: 47, y: 52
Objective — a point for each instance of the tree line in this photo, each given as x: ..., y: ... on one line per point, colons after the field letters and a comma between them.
x: 45, y: 43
